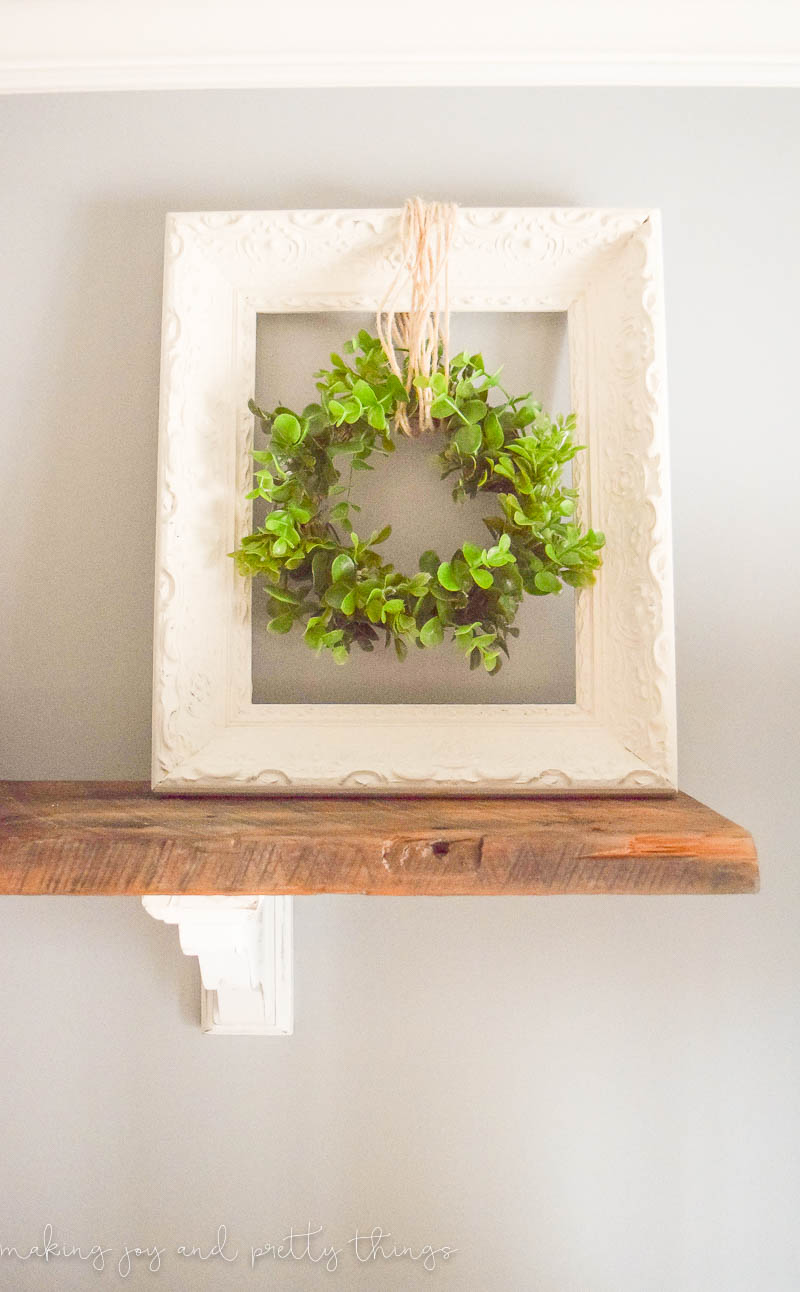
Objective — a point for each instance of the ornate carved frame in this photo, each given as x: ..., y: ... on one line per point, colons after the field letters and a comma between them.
x: 222, y: 269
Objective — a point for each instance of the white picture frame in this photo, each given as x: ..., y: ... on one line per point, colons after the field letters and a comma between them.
x: 604, y: 268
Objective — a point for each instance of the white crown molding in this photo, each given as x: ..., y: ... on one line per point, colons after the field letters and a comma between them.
x: 20, y: 76
x: 47, y: 45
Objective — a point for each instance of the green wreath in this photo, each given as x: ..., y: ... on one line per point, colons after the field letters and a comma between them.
x: 338, y: 587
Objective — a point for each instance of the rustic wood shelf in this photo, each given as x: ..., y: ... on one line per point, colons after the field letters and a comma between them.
x: 112, y: 838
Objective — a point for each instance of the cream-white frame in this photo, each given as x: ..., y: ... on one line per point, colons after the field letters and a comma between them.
x: 221, y: 270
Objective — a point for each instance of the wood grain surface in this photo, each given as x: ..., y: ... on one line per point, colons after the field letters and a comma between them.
x: 109, y: 837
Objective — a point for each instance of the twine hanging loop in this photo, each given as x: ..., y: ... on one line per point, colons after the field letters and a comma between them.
x: 422, y: 331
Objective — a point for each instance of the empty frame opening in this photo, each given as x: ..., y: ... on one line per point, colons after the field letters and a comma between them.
x: 405, y: 491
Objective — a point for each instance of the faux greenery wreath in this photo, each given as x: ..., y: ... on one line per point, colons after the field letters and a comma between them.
x: 338, y: 587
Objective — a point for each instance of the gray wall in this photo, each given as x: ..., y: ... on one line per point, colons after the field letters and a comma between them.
x: 581, y: 1095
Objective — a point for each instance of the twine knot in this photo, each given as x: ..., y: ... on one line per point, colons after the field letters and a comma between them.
x: 422, y: 331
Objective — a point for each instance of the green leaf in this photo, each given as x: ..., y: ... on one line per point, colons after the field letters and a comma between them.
x: 431, y: 633
x: 482, y: 577
x: 336, y: 593
x: 468, y: 440
x: 429, y: 561
x: 439, y: 383
x: 472, y: 553
x: 281, y: 623
x: 578, y: 578
x: 335, y: 408
x: 493, y: 432
x: 379, y: 536
x: 376, y: 417
x: 320, y: 570
x: 502, y: 470
x: 397, y: 390
x: 442, y: 407
x: 546, y: 581
x: 374, y: 606
x: 364, y: 393
x: 447, y: 577
x: 343, y: 567
x: 287, y: 428
x: 474, y: 410
x: 340, y: 654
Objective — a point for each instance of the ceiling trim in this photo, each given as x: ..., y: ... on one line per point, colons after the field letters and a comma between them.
x: 56, y: 76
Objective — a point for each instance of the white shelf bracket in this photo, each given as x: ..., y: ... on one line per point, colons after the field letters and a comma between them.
x: 245, y: 949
